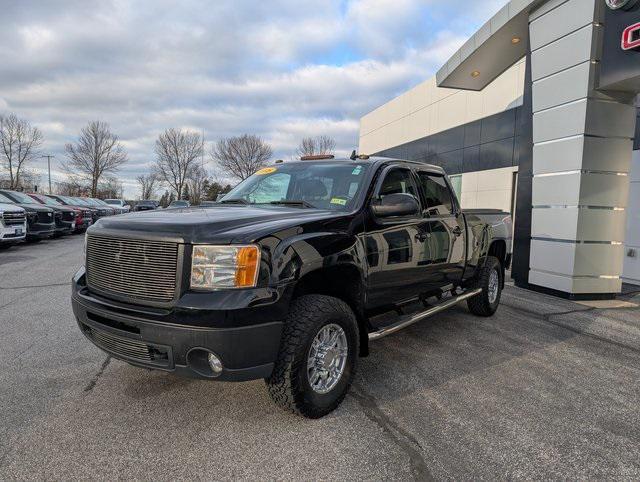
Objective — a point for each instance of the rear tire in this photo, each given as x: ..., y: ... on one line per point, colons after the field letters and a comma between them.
x: 490, y: 280
x: 305, y: 379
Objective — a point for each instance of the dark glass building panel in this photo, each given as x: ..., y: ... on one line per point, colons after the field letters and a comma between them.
x: 451, y: 162
x: 495, y: 155
x: 472, y: 133
x: 460, y: 149
x: 450, y: 140
x: 471, y: 161
x: 499, y: 126
x: 418, y: 150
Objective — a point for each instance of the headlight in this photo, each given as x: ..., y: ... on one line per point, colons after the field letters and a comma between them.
x: 215, y: 267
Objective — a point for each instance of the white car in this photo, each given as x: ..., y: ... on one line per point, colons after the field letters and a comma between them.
x: 13, y: 224
x: 119, y: 203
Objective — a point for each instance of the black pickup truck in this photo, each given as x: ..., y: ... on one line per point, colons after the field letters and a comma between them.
x: 290, y: 276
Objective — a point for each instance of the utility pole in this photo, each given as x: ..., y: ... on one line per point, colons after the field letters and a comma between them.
x: 49, y: 156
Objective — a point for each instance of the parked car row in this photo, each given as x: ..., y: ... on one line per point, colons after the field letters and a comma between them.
x: 35, y: 216
x: 150, y: 205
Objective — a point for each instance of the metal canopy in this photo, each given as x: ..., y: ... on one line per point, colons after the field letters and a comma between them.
x: 499, y: 44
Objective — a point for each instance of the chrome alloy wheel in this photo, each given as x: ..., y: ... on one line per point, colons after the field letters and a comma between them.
x: 494, y: 286
x: 327, y: 358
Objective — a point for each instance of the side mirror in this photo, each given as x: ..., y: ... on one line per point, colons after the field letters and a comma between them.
x: 395, y: 205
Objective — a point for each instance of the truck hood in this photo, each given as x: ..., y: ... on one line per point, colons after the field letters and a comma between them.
x: 215, y: 225
x: 10, y: 207
x: 37, y: 208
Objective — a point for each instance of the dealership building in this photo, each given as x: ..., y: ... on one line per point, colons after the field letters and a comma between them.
x: 538, y: 114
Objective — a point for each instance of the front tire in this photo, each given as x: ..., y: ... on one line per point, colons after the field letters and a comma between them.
x: 490, y: 280
x: 317, y: 359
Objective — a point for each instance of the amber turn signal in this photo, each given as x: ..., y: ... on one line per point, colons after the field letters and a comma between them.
x: 248, y: 260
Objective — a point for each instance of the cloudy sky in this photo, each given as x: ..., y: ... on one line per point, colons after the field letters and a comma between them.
x: 281, y: 69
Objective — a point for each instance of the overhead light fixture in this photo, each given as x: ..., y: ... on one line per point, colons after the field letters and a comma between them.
x: 475, y: 73
x: 516, y: 40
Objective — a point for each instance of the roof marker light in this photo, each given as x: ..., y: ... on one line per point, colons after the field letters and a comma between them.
x: 319, y: 157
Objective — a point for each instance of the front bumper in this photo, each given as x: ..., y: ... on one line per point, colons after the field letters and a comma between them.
x: 65, y: 227
x: 41, y: 231
x: 8, y: 234
x: 145, y: 337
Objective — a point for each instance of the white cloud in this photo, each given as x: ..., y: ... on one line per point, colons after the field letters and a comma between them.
x: 281, y: 69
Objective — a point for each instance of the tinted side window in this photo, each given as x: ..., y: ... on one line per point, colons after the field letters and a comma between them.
x: 398, y: 181
x: 438, y: 196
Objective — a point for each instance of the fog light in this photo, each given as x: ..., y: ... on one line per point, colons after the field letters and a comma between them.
x: 215, y: 364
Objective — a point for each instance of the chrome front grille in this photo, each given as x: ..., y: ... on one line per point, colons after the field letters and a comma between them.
x: 132, y: 268
x: 13, y: 218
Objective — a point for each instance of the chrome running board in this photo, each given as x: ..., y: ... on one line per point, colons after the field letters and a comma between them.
x: 411, y: 319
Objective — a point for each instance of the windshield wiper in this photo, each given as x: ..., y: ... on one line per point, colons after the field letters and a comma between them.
x: 234, y: 201
x: 293, y: 203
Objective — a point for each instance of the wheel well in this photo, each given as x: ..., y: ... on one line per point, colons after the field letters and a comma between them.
x: 342, y: 282
x: 498, y: 249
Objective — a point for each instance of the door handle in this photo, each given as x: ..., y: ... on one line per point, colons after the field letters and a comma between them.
x: 457, y: 231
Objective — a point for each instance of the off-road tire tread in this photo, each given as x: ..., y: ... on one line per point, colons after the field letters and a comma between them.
x: 479, y: 305
x: 301, y: 321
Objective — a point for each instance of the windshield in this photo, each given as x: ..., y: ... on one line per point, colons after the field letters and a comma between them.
x: 79, y: 201
x: 322, y: 185
x: 49, y: 201
x: 5, y: 199
x: 113, y: 202
x: 180, y: 203
x: 23, y: 198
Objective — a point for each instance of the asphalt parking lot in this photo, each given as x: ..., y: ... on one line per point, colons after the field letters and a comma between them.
x: 545, y: 389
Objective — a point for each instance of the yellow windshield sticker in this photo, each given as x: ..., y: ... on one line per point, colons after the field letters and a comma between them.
x: 337, y: 200
x: 265, y: 171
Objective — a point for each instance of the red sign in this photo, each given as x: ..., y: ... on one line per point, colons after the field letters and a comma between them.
x: 631, y: 37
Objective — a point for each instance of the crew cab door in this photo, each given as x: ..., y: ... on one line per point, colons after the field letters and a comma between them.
x: 446, y: 227
x: 394, y: 246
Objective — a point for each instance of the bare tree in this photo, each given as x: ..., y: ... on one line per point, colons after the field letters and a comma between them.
x: 239, y: 157
x: 70, y: 188
x: 20, y: 143
x: 197, y: 183
x: 110, y: 188
x: 314, y: 146
x: 177, y: 151
x: 97, y: 152
x: 147, y: 185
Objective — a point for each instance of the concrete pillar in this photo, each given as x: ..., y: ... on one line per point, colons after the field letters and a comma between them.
x: 583, y: 142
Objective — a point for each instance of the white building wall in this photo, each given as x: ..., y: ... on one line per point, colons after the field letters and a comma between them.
x: 427, y: 109
x: 631, y: 273
x: 490, y: 189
